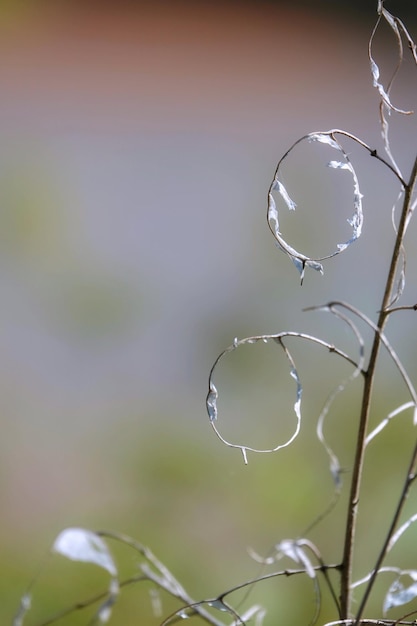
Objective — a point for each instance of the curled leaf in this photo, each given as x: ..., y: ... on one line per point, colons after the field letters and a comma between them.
x: 79, y: 544
x: 283, y: 192
x: 386, y: 105
x: 294, y: 551
x: 212, y: 396
x: 383, y: 423
x: 300, y: 260
x: 398, y: 594
x: 396, y: 536
x: 335, y: 469
x: 211, y: 402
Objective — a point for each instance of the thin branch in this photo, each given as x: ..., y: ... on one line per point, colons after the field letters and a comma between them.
x: 373, y: 153
x: 287, y: 573
x: 84, y: 604
x: 166, y: 580
x: 371, y: 622
x: 409, y: 307
x: 350, y: 529
x: 220, y: 599
x: 335, y: 468
x: 411, y: 476
x: 402, y: 370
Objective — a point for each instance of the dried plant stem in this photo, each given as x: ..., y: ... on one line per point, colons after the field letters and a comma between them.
x: 411, y: 476
x: 369, y: 377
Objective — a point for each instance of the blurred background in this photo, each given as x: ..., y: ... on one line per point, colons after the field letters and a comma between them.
x: 138, y: 142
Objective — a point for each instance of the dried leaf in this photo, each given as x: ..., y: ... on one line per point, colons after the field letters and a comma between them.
x: 386, y: 105
x: 212, y: 396
x: 383, y: 423
x: 300, y: 260
x: 256, y: 611
x: 25, y: 605
x: 211, y: 402
x: 294, y: 551
x: 399, y: 595
x: 396, y: 536
x: 79, y: 544
x: 283, y: 192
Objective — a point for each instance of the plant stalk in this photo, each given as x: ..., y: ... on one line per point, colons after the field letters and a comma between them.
x: 369, y: 377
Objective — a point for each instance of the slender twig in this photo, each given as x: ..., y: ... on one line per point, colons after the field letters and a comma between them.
x: 411, y: 476
x: 373, y: 153
x: 337, y: 131
x: 350, y: 529
x: 372, y: 622
x: 162, y: 578
x: 406, y: 307
x: 148, y: 577
x: 402, y: 370
x: 220, y: 599
x: 286, y: 573
x: 84, y: 604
